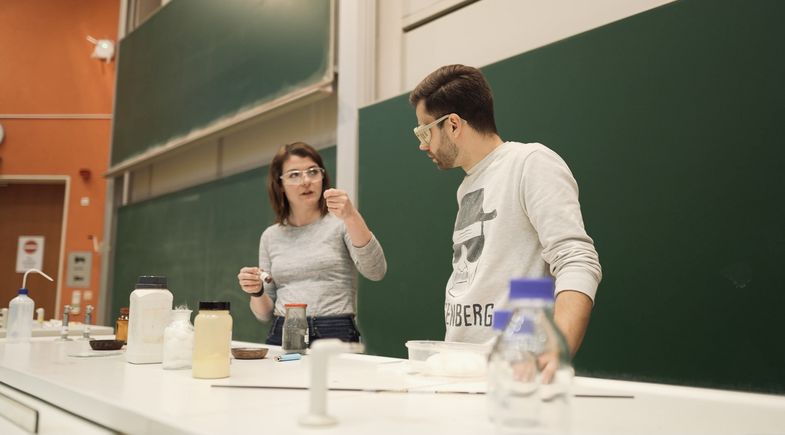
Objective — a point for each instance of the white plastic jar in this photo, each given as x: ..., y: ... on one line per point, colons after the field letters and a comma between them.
x: 148, y: 315
x: 212, y: 341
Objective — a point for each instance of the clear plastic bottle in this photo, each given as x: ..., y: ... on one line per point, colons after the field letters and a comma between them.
x: 148, y: 315
x: 121, y: 325
x: 179, y: 340
x: 212, y: 341
x: 295, y: 329
x: 20, y: 318
x: 529, y: 371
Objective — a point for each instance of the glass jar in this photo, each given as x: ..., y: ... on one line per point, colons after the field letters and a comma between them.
x: 179, y: 340
x: 212, y: 341
x: 121, y: 326
x: 295, y: 329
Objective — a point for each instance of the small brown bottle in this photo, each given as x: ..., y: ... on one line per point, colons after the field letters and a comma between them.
x: 121, y: 327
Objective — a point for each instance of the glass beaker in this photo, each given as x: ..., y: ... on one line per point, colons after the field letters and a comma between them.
x: 178, y: 340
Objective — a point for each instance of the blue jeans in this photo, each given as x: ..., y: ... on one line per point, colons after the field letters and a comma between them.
x: 340, y: 327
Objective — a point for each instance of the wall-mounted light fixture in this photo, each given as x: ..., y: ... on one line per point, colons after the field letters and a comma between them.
x: 104, y: 48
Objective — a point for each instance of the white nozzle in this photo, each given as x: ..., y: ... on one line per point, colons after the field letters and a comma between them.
x: 24, y: 280
x: 96, y: 247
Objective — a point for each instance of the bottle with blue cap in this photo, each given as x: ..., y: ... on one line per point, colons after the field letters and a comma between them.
x: 529, y: 369
x: 20, y: 313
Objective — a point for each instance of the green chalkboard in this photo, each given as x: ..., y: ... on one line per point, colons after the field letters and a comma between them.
x: 197, y: 61
x: 671, y: 121
x: 199, y: 238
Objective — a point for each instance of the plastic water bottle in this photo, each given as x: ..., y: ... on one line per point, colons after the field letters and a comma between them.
x: 529, y: 370
x: 20, y: 318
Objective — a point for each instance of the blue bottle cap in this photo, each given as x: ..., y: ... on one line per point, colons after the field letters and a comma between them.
x: 23, y: 291
x: 532, y: 288
x: 500, y: 319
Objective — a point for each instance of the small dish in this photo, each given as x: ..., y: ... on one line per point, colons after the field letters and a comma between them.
x: 249, y: 352
x: 106, y: 344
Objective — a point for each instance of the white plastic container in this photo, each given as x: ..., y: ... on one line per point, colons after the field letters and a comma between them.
x: 149, y: 311
x: 20, y: 318
x: 19, y: 323
x: 212, y: 341
x: 446, y: 358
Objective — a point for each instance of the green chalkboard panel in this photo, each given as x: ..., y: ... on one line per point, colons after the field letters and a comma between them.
x: 197, y: 61
x: 199, y: 238
x: 671, y: 121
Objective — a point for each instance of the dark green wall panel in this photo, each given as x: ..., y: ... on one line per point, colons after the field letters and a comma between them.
x: 199, y: 238
x: 197, y: 61
x: 671, y: 121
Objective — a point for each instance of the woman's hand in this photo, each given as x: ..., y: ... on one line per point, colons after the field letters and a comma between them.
x: 250, y: 280
x: 339, y: 204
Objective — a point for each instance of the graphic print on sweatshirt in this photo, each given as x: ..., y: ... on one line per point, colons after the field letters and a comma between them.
x: 468, y: 240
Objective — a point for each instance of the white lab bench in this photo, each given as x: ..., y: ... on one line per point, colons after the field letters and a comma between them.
x: 74, y: 330
x: 107, y: 394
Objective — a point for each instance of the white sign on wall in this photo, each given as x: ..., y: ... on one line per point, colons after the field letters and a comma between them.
x: 30, y: 253
x: 80, y: 263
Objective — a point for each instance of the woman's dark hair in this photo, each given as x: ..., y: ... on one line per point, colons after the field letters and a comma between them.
x: 458, y: 89
x: 278, y: 199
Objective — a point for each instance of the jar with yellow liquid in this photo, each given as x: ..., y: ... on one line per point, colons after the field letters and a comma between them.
x: 212, y: 341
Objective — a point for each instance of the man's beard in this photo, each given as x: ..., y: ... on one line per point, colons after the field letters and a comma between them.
x: 446, y: 154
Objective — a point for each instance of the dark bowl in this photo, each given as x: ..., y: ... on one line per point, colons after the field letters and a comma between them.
x: 249, y: 352
x: 106, y: 344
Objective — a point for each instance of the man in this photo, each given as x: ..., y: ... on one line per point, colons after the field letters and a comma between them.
x: 518, y: 214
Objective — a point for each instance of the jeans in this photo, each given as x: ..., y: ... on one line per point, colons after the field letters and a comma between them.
x: 340, y: 327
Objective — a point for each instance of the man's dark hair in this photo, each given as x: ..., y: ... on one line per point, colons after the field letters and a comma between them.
x: 458, y: 89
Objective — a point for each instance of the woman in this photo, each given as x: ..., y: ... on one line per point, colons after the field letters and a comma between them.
x: 312, y: 251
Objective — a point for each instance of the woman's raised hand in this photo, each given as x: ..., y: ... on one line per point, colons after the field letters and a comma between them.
x: 250, y: 280
x: 339, y: 204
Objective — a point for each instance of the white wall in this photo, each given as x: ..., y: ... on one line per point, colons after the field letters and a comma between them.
x: 250, y: 147
x: 480, y: 33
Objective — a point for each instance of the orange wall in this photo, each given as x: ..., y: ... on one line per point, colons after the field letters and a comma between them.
x: 46, y: 68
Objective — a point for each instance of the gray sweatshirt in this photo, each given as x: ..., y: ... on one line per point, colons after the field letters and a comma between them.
x: 518, y: 216
x: 316, y: 264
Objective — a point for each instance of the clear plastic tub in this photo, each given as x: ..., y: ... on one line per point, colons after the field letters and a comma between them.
x: 445, y: 358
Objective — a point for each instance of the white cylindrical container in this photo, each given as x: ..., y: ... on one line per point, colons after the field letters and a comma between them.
x: 212, y: 341
x: 148, y: 314
x: 20, y: 318
x: 179, y: 340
